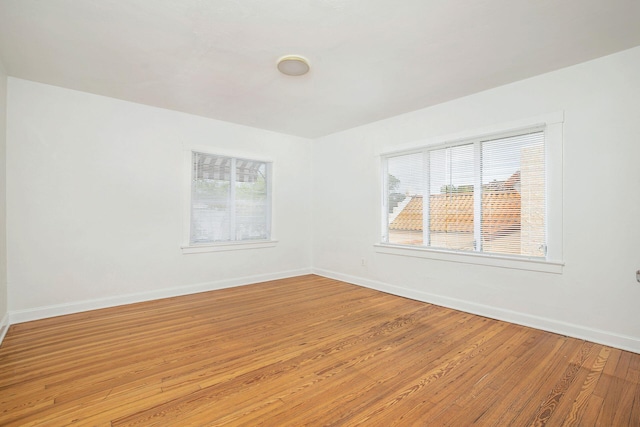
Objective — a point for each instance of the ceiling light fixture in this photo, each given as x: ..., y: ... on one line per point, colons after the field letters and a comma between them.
x: 293, y: 65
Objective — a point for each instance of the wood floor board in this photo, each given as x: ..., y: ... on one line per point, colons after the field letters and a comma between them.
x: 577, y: 381
x: 486, y: 406
x: 342, y: 348
x: 557, y: 387
x: 306, y: 351
x: 616, y: 391
x: 347, y: 369
x: 634, y: 413
x: 537, y: 380
x: 476, y: 381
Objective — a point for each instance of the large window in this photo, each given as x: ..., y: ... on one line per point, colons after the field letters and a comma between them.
x: 230, y: 199
x: 482, y: 195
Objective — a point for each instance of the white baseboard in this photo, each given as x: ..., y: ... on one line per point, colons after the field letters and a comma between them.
x: 559, y: 327
x: 19, y: 316
x: 4, y: 327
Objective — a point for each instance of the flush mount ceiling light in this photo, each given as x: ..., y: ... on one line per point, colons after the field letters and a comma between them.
x: 293, y: 65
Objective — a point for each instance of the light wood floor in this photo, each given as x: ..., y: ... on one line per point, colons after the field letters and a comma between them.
x: 306, y: 351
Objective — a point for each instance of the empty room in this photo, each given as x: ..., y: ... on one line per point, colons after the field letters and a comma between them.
x: 319, y: 212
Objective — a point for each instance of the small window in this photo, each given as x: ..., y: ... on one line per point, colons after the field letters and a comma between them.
x: 230, y: 199
x: 483, y: 195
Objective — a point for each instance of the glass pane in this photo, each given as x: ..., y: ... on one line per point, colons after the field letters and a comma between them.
x: 404, y: 194
x: 251, y: 200
x: 513, y: 201
x: 210, y: 186
x: 451, y: 208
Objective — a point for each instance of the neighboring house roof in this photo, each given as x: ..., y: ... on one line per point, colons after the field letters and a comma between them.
x: 410, y: 218
x: 453, y: 212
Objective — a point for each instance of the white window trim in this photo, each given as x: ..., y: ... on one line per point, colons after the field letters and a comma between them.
x: 228, y: 246
x: 477, y: 258
x: 186, y: 246
x: 553, y: 263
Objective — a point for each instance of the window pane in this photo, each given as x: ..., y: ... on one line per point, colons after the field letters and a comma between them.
x: 211, y: 185
x: 483, y: 195
x: 404, y: 193
x: 513, y: 201
x: 451, y: 204
x: 230, y: 199
x: 251, y: 200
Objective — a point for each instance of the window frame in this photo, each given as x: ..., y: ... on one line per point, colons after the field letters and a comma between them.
x: 553, y: 262
x: 187, y: 246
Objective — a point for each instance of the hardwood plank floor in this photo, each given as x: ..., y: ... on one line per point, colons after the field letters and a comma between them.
x: 306, y: 351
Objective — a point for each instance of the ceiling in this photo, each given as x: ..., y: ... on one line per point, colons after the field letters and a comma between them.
x: 370, y: 59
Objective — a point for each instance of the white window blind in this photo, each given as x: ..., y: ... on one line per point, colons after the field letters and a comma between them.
x: 484, y: 195
x: 405, y: 196
x: 230, y: 199
x: 451, y: 197
x: 513, y: 200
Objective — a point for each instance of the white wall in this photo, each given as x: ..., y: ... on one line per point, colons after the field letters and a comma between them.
x: 4, y: 319
x: 94, y: 202
x: 597, y: 295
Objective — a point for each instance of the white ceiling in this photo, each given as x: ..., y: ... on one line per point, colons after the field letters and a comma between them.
x: 370, y: 59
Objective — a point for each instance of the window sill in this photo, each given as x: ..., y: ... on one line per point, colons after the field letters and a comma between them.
x: 472, y: 258
x: 228, y: 246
